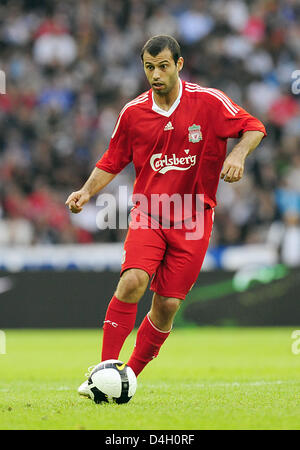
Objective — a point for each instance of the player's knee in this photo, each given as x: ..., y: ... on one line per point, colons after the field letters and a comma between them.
x: 168, y: 306
x: 132, y: 284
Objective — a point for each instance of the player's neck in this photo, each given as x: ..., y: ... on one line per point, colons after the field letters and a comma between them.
x: 166, y: 101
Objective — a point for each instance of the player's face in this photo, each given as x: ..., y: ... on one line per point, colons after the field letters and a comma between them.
x: 161, y: 71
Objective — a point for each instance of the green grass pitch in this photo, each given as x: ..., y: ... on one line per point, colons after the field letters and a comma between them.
x: 204, y: 378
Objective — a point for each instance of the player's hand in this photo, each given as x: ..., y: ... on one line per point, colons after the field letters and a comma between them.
x: 233, y: 168
x: 76, y: 200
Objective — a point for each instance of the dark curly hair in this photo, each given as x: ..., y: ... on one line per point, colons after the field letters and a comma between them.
x: 157, y: 44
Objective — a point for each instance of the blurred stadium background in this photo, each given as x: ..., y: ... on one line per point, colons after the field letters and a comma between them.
x: 70, y: 67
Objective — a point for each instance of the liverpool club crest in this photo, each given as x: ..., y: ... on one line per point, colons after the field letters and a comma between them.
x: 195, y: 134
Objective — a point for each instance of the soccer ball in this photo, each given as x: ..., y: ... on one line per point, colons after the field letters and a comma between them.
x: 112, y: 381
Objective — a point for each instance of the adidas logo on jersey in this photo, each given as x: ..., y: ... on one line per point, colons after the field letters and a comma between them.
x: 168, y: 127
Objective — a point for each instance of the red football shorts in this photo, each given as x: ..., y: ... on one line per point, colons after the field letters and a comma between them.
x: 173, y: 259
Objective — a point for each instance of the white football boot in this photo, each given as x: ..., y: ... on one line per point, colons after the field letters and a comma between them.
x: 84, y: 389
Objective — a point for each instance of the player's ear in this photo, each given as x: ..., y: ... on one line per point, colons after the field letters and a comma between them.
x: 180, y: 63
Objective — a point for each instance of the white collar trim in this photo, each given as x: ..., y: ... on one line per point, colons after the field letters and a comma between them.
x: 168, y: 113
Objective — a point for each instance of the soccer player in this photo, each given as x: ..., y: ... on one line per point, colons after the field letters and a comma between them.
x: 176, y: 136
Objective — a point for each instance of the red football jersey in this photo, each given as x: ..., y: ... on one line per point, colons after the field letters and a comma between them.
x: 179, y: 151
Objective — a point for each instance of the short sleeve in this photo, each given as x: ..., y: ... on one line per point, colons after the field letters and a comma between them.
x: 119, y: 152
x: 232, y: 121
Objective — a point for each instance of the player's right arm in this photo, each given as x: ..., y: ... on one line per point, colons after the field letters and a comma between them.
x: 116, y: 157
x: 96, y: 181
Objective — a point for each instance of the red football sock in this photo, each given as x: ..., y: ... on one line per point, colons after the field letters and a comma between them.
x: 148, y: 342
x: 118, y: 324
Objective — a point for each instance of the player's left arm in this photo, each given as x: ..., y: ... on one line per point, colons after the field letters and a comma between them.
x: 233, y: 167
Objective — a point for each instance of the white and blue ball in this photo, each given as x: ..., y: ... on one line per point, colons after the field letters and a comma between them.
x: 112, y: 381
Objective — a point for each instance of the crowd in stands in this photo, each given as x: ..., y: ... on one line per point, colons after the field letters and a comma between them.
x: 71, y: 66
